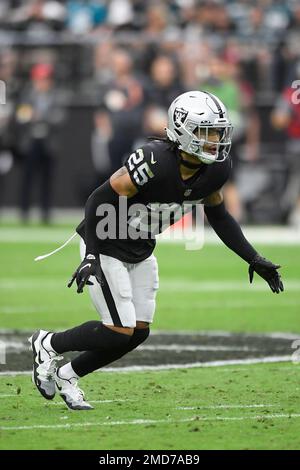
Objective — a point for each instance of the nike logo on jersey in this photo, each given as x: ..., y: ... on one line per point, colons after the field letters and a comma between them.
x: 85, y: 266
x: 187, y: 192
x: 152, y: 159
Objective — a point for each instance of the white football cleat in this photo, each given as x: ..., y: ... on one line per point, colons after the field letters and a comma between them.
x: 44, y: 364
x: 71, y: 393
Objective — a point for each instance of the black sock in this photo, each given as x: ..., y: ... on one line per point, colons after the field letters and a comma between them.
x: 89, y: 336
x: 93, y: 360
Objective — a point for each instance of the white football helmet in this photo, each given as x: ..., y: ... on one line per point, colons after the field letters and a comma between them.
x: 196, y: 117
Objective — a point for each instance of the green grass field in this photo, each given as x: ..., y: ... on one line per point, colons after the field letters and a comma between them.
x: 232, y: 407
x: 150, y: 418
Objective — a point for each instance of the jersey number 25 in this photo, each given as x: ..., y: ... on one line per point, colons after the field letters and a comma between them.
x: 142, y: 171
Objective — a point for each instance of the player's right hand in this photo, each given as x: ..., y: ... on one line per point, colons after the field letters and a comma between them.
x: 90, y: 266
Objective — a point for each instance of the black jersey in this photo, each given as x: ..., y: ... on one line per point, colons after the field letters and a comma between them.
x: 154, y: 170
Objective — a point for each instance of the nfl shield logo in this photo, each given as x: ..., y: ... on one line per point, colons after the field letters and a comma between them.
x: 179, y: 116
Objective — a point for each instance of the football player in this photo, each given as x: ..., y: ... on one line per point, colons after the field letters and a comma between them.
x: 190, y: 164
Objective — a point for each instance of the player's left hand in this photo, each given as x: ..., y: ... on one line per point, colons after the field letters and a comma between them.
x: 268, y: 271
x: 90, y: 266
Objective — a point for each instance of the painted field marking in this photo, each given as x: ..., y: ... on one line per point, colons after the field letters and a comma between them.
x: 217, y: 407
x: 167, y: 285
x: 6, y: 395
x: 269, y: 235
x: 56, y: 403
x: 261, y: 360
x: 217, y: 333
x: 203, y: 304
x: 194, y: 419
x: 181, y: 347
x: 183, y: 408
x: 23, y: 346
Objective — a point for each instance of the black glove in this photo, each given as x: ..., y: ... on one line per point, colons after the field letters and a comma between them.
x: 268, y: 271
x: 90, y: 266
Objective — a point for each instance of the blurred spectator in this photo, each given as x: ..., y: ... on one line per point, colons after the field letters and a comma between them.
x: 8, y: 93
x: 39, y: 114
x: 214, y: 17
x: 281, y: 65
x: 154, y: 124
x: 295, y: 18
x: 123, y: 98
x: 221, y: 78
x: 38, y: 17
x: 100, y: 145
x: 120, y: 13
x: 165, y: 82
x: 286, y: 116
x: 129, y: 58
x: 156, y: 19
x: 83, y: 16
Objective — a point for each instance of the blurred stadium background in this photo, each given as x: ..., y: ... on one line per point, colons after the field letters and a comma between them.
x: 86, y: 81
x: 82, y: 84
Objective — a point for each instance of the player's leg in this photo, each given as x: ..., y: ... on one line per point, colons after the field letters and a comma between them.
x: 101, y: 340
x: 128, y: 282
x: 113, y: 300
x: 145, y: 283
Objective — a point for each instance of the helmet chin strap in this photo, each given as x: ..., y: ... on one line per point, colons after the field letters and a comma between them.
x: 190, y: 165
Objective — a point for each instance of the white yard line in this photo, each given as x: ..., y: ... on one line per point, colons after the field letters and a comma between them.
x: 182, y: 408
x: 181, y: 347
x: 20, y: 346
x: 219, y: 333
x: 7, y: 332
x: 57, y: 403
x: 12, y: 346
x: 13, y: 373
x: 269, y: 235
x: 218, y: 407
x: 261, y: 360
x: 9, y: 395
x: 142, y: 422
x: 25, y: 309
x: 168, y: 285
x: 201, y: 304
x: 174, y: 285
x: 228, y: 305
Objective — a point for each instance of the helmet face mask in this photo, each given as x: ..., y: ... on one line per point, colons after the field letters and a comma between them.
x: 198, y: 123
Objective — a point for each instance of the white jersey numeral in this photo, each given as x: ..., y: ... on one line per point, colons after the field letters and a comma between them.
x: 142, y: 174
x: 135, y: 158
x: 142, y: 171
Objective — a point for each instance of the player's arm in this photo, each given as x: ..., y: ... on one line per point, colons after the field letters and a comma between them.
x: 229, y: 231
x: 122, y: 184
x: 119, y: 184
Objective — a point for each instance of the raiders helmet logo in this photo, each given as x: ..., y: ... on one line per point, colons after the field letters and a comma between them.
x: 179, y: 116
